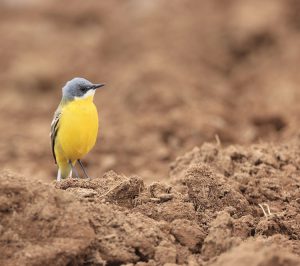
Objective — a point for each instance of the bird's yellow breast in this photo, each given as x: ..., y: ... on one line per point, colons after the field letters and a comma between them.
x: 78, y: 129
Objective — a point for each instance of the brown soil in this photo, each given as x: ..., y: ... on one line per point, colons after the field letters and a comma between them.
x: 180, y: 75
x: 209, y: 215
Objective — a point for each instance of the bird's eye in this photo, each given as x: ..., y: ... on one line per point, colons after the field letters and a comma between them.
x: 82, y: 89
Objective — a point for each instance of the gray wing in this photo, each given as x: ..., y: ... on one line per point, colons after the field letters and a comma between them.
x: 54, y: 130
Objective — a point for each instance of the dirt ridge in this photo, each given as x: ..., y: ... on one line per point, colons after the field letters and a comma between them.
x: 207, y: 212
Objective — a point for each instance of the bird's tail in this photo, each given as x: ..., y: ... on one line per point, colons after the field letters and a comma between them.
x: 64, y: 171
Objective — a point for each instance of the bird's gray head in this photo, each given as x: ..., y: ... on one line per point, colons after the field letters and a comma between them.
x: 79, y: 88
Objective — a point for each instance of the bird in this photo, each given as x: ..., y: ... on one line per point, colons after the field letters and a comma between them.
x: 74, y: 128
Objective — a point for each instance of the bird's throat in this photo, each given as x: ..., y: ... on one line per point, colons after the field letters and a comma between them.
x: 84, y: 99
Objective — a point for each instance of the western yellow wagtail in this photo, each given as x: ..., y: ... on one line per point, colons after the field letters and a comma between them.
x: 74, y: 128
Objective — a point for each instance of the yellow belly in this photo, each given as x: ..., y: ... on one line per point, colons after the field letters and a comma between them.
x: 78, y: 130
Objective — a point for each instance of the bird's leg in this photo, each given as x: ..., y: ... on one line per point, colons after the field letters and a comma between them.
x: 81, y: 165
x: 74, y: 169
x: 70, y: 174
x: 58, y: 179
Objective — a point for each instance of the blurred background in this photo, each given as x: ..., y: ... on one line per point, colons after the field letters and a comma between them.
x: 178, y: 73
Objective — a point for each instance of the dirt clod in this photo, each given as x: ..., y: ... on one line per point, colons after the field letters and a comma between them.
x: 188, y: 233
x: 209, y: 193
x: 255, y: 253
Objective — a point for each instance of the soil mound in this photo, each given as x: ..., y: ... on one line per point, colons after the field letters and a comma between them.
x: 223, y: 206
x: 40, y: 225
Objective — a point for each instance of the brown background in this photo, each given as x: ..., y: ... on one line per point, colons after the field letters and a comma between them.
x: 177, y: 73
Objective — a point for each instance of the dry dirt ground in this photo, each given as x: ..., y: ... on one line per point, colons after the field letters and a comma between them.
x: 211, y: 213
x: 219, y: 75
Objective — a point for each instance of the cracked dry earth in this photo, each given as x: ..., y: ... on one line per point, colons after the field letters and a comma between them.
x: 210, y: 212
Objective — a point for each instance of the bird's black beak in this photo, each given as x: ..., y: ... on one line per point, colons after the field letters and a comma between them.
x: 96, y: 86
